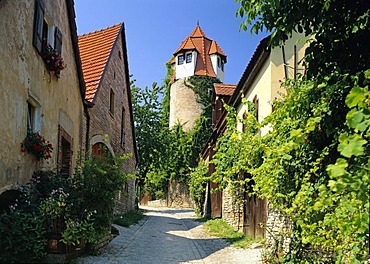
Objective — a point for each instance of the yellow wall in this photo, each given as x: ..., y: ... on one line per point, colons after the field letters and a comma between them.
x: 23, y: 77
x: 267, y: 84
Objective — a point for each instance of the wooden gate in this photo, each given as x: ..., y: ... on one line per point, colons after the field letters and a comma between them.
x: 255, y: 214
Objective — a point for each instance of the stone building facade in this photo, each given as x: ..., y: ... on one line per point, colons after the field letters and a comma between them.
x: 33, y: 98
x: 108, y: 94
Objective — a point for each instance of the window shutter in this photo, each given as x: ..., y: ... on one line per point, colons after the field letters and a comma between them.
x: 38, y: 24
x: 255, y: 102
x: 58, y: 40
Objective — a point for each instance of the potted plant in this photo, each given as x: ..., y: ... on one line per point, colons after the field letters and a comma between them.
x: 77, y: 233
x: 54, y: 209
x: 36, y: 144
x: 53, y: 60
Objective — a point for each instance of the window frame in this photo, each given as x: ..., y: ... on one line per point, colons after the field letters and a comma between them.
x: 65, y: 153
x: 33, y: 118
x: 187, y: 56
x: 180, y: 59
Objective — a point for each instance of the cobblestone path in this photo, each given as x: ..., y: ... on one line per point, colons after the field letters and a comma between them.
x: 167, y: 236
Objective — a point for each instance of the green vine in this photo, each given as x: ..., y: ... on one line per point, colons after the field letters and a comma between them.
x: 313, y: 165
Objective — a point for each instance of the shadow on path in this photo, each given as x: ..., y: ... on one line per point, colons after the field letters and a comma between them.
x: 165, y: 235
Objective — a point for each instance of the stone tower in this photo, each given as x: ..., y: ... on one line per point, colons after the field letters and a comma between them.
x: 197, y: 55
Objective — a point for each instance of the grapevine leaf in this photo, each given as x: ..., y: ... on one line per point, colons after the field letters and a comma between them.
x: 355, y: 97
x: 351, y: 145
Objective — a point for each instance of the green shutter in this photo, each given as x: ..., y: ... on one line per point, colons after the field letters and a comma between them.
x: 38, y: 24
x: 58, y: 40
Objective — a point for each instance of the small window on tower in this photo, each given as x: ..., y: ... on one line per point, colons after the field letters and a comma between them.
x: 180, y: 59
x: 189, y: 57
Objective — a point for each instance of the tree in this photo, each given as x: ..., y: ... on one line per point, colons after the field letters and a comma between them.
x: 339, y: 30
x: 148, y: 116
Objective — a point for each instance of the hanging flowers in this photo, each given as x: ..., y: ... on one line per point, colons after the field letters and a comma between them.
x: 53, y: 60
x: 35, y: 144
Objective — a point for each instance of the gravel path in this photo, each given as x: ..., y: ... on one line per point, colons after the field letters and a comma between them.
x: 167, y: 235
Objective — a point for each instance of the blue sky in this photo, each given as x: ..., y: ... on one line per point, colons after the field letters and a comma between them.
x: 156, y: 28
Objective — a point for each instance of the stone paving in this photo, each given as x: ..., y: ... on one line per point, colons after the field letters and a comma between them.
x: 168, y: 235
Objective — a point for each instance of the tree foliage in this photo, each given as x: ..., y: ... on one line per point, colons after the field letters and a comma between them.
x: 338, y: 27
x: 168, y: 154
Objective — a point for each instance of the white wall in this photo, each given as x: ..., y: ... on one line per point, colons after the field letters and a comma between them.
x: 219, y: 73
x: 186, y: 69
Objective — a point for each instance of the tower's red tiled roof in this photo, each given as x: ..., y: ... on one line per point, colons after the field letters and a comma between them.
x: 95, y: 48
x: 197, y: 40
x: 224, y: 89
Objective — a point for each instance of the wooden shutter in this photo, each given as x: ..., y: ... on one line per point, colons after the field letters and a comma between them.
x: 244, y: 128
x: 38, y: 24
x: 255, y: 102
x: 58, y: 40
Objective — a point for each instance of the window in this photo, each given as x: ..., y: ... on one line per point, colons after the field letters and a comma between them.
x: 188, y: 57
x: 43, y: 34
x: 220, y: 63
x: 33, y: 117
x: 65, y: 143
x: 123, y: 126
x: 111, y: 102
x: 180, y: 59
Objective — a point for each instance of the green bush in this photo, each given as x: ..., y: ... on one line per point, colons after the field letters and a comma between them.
x: 94, y: 188
x: 22, y: 237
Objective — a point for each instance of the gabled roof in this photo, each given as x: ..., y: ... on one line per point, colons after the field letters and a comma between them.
x: 197, y: 40
x: 224, y: 89
x: 95, y: 50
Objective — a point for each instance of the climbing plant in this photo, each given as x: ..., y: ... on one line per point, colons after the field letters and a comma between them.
x: 314, y: 163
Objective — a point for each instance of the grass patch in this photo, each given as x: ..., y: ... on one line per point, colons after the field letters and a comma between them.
x: 129, y: 218
x: 221, y: 229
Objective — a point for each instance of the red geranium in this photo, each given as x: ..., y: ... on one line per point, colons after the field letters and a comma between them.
x: 35, y: 144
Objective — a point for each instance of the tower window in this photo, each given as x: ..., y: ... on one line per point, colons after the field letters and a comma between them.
x: 220, y: 63
x: 180, y: 59
x: 189, y: 57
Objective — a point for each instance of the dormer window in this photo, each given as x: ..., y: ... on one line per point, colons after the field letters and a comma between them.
x: 189, y: 57
x: 180, y: 59
x: 220, y: 63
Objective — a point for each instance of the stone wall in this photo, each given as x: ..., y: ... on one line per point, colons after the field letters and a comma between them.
x: 108, y: 124
x: 24, y: 78
x: 184, y: 108
x: 278, y: 230
x: 232, y: 210
x: 178, y: 195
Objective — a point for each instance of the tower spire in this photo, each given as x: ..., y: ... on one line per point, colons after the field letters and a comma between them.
x: 198, y: 22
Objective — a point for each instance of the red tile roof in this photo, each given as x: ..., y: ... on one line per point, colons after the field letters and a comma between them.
x: 95, y: 48
x: 197, y: 40
x: 224, y: 89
